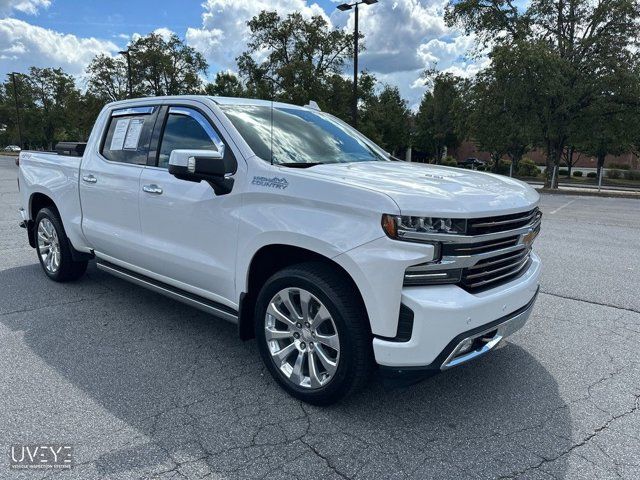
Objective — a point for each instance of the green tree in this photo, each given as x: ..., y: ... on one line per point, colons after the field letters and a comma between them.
x: 437, y: 123
x: 293, y: 59
x: 107, y: 78
x: 226, y: 84
x: 611, y: 121
x: 386, y: 120
x: 51, y: 101
x: 159, y: 66
x: 571, y: 47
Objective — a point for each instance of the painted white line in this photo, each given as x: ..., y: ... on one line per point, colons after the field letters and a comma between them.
x: 562, y: 206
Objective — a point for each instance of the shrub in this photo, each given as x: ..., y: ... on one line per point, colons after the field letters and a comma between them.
x: 619, y: 166
x: 577, y: 173
x: 631, y: 175
x: 449, y: 162
x: 613, y: 173
x: 563, y: 171
x: 528, y: 168
x: 592, y: 175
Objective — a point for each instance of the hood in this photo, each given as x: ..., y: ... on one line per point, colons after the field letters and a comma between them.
x: 422, y: 189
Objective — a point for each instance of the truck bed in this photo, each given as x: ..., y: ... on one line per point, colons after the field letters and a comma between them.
x: 57, y: 177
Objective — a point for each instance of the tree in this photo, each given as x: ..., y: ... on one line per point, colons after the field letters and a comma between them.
x: 167, y: 66
x: 108, y: 78
x: 611, y: 121
x: 339, y: 95
x: 52, y: 105
x: 226, y: 84
x: 501, y: 113
x: 437, y: 123
x: 159, y: 67
x: 572, y: 47
x: 293, y: 59
x: 385, y: 119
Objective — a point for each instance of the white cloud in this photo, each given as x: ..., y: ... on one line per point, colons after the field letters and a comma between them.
x: 23, y: 45
x: 224, y: 32
x: 405, y: 37
x: 402, y: 37
x: 25, y: 6
x: 165, y: 33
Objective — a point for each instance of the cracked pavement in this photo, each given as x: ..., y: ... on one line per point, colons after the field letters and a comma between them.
x: 144, y: 387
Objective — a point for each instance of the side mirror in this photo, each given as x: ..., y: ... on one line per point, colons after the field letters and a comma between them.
x: 198, y: 165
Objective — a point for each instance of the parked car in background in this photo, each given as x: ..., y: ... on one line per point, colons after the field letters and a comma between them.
x: 12, y: 148
x: 289, y: 223
x: 471, y: 162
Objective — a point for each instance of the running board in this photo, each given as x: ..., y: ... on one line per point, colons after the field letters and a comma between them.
x: 209, y: 306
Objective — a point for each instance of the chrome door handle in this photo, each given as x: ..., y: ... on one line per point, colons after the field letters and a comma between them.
x: 89, y: 179
x: 153, y: 188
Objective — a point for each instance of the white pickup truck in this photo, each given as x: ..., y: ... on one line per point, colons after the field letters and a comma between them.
x: 284, y: 220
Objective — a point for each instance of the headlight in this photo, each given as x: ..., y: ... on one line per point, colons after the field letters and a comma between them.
x: 402, y: 227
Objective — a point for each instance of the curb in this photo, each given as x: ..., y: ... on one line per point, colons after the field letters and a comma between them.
x: 587, y: 193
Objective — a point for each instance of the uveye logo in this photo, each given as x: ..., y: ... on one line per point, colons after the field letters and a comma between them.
x: 275, y: 182
x: 54, y: 456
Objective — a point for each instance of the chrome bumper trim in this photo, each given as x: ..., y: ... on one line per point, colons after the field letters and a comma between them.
x: 501, y: 331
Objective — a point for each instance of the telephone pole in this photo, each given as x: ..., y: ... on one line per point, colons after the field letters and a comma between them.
x: 343, y: 8
x: 127, y: 53
x: 15, y: 97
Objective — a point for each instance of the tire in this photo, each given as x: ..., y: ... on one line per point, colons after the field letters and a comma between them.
x: 334, y: 371
x: 53, y: 248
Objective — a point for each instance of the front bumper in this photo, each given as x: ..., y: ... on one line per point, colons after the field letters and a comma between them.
x: 446, y: 315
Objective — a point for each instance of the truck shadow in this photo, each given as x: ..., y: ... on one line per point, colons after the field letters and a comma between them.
x: 192, y: 398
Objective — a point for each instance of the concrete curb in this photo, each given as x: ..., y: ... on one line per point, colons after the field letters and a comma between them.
x: 590, y: 193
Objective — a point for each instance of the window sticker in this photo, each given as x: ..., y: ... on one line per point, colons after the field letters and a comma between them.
x: 117, y: 141
x: 133, y: 134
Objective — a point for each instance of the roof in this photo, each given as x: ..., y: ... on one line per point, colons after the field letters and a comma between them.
x: 217, y: 100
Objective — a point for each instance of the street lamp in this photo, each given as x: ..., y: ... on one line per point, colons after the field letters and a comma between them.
x: 127, y: 53
x: 15, y: 97
x: 343, y: 8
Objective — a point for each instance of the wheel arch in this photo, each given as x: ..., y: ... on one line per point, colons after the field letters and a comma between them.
x: 38, y: 201
x: 268, y: 260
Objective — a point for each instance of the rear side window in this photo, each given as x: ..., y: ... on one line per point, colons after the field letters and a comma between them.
x: 128, y: 135
x: 186, y: 129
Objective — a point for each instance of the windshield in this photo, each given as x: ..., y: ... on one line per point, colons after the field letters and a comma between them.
x: 299, y: 136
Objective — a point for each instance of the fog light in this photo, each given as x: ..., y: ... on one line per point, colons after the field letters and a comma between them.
x: 465, y: 345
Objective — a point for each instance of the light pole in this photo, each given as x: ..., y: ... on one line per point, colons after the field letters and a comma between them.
x: 15, y: 97
x: 127, y: 53
x: 343, y: 8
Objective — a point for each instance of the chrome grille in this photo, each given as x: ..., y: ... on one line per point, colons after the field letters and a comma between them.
x: 480, y: 247
x: 500, y: 268
x: 481, y: 226
x: 493, y: 251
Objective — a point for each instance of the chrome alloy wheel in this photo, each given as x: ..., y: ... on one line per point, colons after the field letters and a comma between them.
x: 48, y: 245
x: 302, y: 338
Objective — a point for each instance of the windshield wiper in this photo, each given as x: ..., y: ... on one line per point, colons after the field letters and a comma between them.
x: 300, y: 164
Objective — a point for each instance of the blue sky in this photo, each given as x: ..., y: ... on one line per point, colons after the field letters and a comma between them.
x: 403, y: 37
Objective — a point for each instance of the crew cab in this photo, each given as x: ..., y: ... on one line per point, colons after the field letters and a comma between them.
x: 286, y: 221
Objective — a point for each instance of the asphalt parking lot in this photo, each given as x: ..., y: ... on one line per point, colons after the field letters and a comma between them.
x: 142, y: 386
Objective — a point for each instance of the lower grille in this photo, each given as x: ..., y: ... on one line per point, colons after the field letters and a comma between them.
x: 488, y: 272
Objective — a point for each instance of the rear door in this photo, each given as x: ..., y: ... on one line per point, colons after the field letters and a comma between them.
x: 110, y: 183
x: 189, y: 232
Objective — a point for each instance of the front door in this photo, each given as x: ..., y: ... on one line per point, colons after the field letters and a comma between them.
x: 189, y: 233
x: 109, y: 184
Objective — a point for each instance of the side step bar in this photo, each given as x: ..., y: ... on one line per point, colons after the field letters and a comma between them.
x: 206, y: 305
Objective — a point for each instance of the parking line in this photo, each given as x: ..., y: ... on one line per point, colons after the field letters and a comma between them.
x: 562, y: 206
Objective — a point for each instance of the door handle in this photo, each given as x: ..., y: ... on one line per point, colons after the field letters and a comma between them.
x: 153, y: 188
x: 89, y: 179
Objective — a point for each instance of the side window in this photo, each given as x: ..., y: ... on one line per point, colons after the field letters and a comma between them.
x: 128, y: 135
x: 186, y: 129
